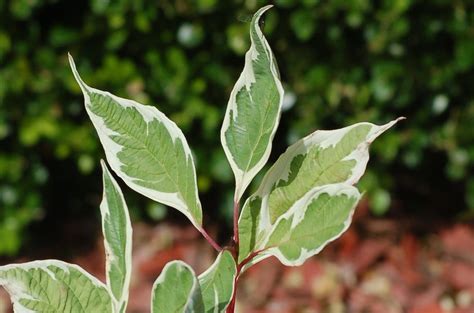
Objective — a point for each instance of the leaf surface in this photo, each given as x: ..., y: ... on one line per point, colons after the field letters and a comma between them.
x: 146, y: 149
x: 321, y: 216
x: 54, y: 286
x: 217, y: 283
x: 319, y: 160
x: 177, y: 290
x: 117, y: 230
x: 253, y: 110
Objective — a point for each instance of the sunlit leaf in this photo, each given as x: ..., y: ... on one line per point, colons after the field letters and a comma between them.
x: 54, y: 286
x: 319, y: 160
x: 318, y: 218
x: 253, y: 111
x: 146, y: 149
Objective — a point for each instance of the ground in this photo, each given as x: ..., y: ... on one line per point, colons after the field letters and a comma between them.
x: 379, y: 265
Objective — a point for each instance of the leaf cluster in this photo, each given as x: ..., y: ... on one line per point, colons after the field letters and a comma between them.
x: 342, y: 61
x: 305, y: 200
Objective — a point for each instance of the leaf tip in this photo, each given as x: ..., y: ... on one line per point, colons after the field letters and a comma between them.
x: 259, y: 14
x: 103, y: 165
x: 105, y: 172
x: 382, y: 128
x: 392, y: 123
x: 78, y: 78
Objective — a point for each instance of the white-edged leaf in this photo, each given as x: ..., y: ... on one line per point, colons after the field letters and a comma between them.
x: 318, y: 218
x: 54, y: 286
x: 217, y: 283
x: 253, y: 110
x: 117, y: 230
x: 177, y: 290
x: 146, y: 149
x: 323, y: 158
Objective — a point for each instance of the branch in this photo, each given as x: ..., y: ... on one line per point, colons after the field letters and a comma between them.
x: 210, y: 240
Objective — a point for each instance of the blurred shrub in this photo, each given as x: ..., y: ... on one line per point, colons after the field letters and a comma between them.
x: 342, y: 61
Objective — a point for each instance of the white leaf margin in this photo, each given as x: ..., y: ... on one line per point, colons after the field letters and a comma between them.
x: 298, y: 211
x: 109, y: 256
x: 245, y: 80
x: 281, y: 169
x: 161, y: 278
x: 17, y: 292
x: 111, y: 148
x: 324, y: 138
x: 208, y: 274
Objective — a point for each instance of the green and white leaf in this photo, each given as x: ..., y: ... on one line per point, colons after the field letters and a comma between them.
x: 177, y: 290
x: 217, y: 283
x: 318, y: 160
x: 117, y: 230
x: 146, y: 149
x: 315, y: 220
x: 253, y: 110
x: 54, y: 286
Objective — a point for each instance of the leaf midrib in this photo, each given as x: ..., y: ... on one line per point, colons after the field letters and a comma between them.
x: 124, y: 133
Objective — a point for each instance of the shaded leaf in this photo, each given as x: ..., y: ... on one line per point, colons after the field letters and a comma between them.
x: 117, y: 231
x: 176, y: 290
x: 217, y: 283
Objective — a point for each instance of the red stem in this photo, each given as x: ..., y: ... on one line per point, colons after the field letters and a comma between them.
x: 231, y: 307
x: 210, y: 240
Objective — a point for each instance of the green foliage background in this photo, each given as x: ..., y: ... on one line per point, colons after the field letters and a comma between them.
x: 341, y: 62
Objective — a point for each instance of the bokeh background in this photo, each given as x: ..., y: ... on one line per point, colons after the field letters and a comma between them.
x: 341, y: 62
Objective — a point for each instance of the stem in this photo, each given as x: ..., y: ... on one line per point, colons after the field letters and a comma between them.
x: 236, y: 225
x: 210, y: 240
x: 231, y: 307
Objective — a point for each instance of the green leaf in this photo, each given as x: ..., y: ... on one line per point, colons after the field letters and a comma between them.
x: 145, y: 149
x: 176, y: 290
x: 217, y: 283
x: 320, y: 217
x: 318, y: 160
x: 54, y: 286
x: 117, y: 231
x: 253, y: 110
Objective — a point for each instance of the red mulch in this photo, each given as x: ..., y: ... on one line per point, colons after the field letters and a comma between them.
x: 376, y: 266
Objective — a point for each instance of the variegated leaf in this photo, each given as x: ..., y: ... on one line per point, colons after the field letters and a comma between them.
x: 253, y: 111
x: 177, y: 290
x: 117, y: 231
x: 54, y: 286
x: 318, y: 160
x: 217, y: 283
x: 315, y: 220
x: 146, y: 149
